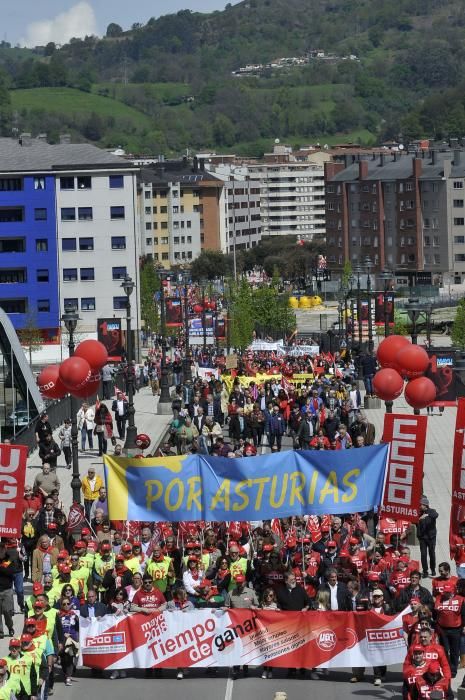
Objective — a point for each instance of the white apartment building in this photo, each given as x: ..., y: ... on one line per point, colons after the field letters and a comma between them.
x: 292, y: 198
x: 98, y: 240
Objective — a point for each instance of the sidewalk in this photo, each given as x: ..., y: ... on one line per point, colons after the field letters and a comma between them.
x: 147, y: 421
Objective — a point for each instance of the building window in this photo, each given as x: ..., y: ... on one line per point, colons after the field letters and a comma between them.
x: 164, y: 240
x: 459, y: 221
x: 70, y: 274
x: 118, y: 242
x: 41, y: 245
x: 155, y: 225
x: 85, y: 213
x: 458, y: 203
x: 165, y: 256
x: 84, y: 182
x: 458, y: 185
x: 10, y: 215
x: 119, y: 273
x: 11, y: 184
x: 13, y: 306
x: 148, y: 194
x: 148, y: 226
x: 42, y: 276
x: 176, y: 240
x: 39, y: 183
x: 163, y: 210
x: 86, y: 244
x: 66, y: 183
x: 87, y: 274
x: 117, y: 182
x: 120, y: 302
x: 164, y: 224
x: 40, y: 214
x: 68, y: 214
x: 459, y: 239
x: 116, y: 213
x: 68, y: 244
x: 148, y: 241
x: 70, y: 304
x: 43, y: 305
x: 188, y: 224
x: 13, y: 276
x: 87, y: 303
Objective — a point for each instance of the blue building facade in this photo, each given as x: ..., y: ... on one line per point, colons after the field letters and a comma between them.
x: 28, y: 252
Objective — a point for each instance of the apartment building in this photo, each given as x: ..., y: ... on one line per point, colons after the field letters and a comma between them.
x: 180, y: 208
x: 292, y: 194
x: 405, y: 211
x: 68, y: 233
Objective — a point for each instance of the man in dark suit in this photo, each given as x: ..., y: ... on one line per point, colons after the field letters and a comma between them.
x: 339, y: 596
x: 291, y: 596
x: 92, y: 608
x: 120, y: 408
x: 199, y: 420
x: 237, y: 426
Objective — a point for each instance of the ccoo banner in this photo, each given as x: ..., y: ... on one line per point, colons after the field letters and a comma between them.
x: 13, y: 459
x: 404, y: 481
x: 198, y: 487
x: 213, y: 638
x: 457, y: 511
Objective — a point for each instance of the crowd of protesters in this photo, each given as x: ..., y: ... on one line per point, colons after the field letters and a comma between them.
x: 351, y: 562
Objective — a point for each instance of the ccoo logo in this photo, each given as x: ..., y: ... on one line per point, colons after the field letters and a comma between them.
x: 326, y: 640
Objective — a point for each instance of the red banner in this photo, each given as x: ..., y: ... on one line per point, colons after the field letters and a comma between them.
x: 404, y: 476
x: 457, y: 511
x: 13, y: 460
x: 212, y: 638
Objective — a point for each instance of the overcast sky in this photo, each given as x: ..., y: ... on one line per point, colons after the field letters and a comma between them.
x: 36, y: 22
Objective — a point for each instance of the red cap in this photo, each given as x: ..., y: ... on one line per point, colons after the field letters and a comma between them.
x: 354, y: 540
x: 3, y: 663
x: 373, y: 576
x: 52, y: 526
x: 63, y: 554
x: 331, y: 543
x: 119, y: 557
x: 448, y: 587
x: 26, y: 638
x: 418, y: 649
x: 39, y: 604
x: 268, y: 547
x: 80, y: 544
x: 191, y: 545
x: 30, y: 621
x: 136, y: 544
x: 105, y: 547
x: 37, y: 588
x: 325, y: 528
x: 64, y: 569
x: 291, y: 542
x: 434, y: 666
x: 14, y: 643
x: 405, y: 560
x: 240, y: 578
x: 192, y: 557
x: 126, y: 548
x: 85, y: 531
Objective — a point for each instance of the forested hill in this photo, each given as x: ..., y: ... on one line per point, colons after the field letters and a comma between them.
x: 168, y: 84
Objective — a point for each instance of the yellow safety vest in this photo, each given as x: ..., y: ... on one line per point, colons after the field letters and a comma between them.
x: 158, y: 570
x: 81, y: 575
x: 237, y: 567
x: 133, y: 564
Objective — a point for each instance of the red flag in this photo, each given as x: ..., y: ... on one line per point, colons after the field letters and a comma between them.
x: 313, y: 525
x: 457, y: 511
x: 76, y: 517
x: 404, y: 480
x: 276, y: 528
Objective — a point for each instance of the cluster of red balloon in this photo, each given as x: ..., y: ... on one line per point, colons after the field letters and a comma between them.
x: 400, y: 359
x: 79, y: 375
x: 208, y: 306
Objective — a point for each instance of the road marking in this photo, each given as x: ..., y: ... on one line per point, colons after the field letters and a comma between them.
x: 229, y: 689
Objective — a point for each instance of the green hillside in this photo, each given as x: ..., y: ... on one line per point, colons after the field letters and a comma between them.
x: 392, y: 70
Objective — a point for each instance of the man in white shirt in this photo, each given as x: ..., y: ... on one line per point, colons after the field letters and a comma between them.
x: 120, y: 408
x: 85, y: 423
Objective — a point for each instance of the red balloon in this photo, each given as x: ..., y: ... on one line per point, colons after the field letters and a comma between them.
x: 420, y: 392
x: 413, y: 361
x: 388, y: 384
x: 388, y: 349
x: 198, y: 308
x: 90, y: 388
x: 143, y: 441
x: 94, y: 352
x: 74, y: 373
x: 50, y: 384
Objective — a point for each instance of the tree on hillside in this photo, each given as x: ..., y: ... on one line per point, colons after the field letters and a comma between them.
x: 113, y: 30
x: 458, y: 327
x: 149, y: 285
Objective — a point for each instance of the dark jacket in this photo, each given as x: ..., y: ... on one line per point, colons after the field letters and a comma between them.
x: 344, y: 599
x: 426, y: 527
x: 296, y: 599
x: 49, y: 452
x: 100, y: 610
x: 40, y: 520
x: 235, y: 431
x: 276, y: 425
x: 404, y: 598
x: 114, y: 408
x: 368, y: 365
x: 7, y: 571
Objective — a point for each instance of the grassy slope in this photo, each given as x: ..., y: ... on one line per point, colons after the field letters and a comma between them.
x: 68, y: 100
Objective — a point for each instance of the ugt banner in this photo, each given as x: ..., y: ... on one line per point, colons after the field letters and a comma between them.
x: 457, y: 511
x: 404, y: 481
x: 13, y: 460
x: 213, y: 638
x: 199, y: 487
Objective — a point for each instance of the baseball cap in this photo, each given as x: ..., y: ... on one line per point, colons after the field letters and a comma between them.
x: 331, y: 543
x: 268, y: 548
x: 14, y: 643
x: 26, y: 638
x: 85, y: 531
x: 64, y: 569
x: 39, y: 604
x: 136, y: 545
x: 105, y: 547
x: 291, y: 542
x: 434, y: 666
x: 52, y: 526
x: 354, y: 540
x: 63, y: 554
x: 325, y: 528
x: 119, y: 557
x: 448, y: 587
x: 126, y: 548
x: 30, y: 621
x: 240, y: 578
x: 418, y: 649
x: 3, y: 663
x: 37, y: 588
x: 373, y: 576
x: 377, y: 591
x: 80, y: 544
x: 192, y: 557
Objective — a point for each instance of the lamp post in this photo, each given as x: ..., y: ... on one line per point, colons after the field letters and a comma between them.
x: 386, y: 277
x: 357, y: 271
x: 345, y: 291
x: 369, y: 265
x: 70, y: 319
x: 187, y: 371
x: 414, y: 310
x: 164, y: 402
x: 352, y: 310
x: 203, y: 284
x: 130, y: 443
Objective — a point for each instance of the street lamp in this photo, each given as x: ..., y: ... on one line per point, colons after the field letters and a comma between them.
x: 414, y: 310
x: 386, y: 276
x: 368, y: 266
x: 130, y: 443
x: 164, y: 402
x: 352, y: 310
x: 187, y: 370
x: 203, y: 284
x: 70, y: 319
x: 358, y: 271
